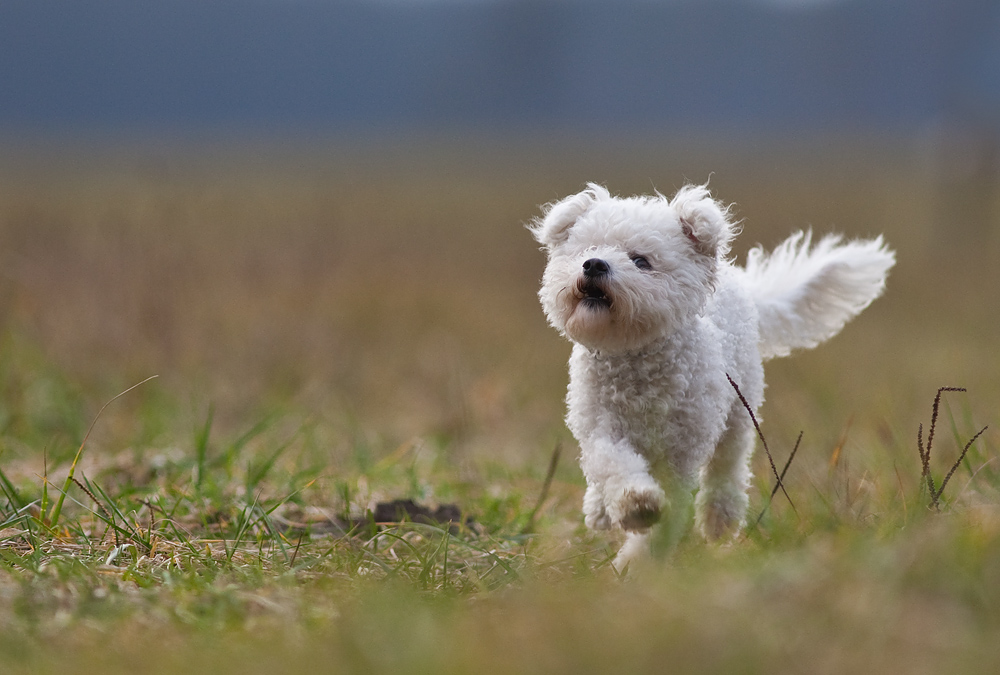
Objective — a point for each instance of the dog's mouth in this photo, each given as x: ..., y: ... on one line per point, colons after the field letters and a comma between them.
x: 592, y: 295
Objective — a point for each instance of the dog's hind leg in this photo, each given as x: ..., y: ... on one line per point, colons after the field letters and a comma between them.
x: 722, y: 500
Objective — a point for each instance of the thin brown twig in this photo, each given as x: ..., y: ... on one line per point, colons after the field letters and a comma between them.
x: 760, y: 434
x: 97, y: 501
x: 781, y: 478
x: 955, y: 466
x: 549, y: 477
x: 152, y: 513
x: 934, y: 415
x: 925, y: 460
x: 925, y: 453
x: 788, y: 462
x: 153, y: 507
x: 295, y: 553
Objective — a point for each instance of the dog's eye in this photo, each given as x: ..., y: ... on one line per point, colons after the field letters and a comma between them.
x: 641, y: 262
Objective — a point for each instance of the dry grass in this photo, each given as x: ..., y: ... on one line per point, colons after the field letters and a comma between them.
x: 335, y: 326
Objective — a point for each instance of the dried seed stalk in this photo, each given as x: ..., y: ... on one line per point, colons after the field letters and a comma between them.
x: 778, y: 477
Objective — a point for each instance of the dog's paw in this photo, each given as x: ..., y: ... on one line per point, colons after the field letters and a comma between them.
x: 719, y: 515
x: 715, y: 524
x: 638, y: 508
x: 641, y: 512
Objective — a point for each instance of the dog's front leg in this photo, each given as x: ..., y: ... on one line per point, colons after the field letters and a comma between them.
x: 595, y: 515
x: 620, y: 489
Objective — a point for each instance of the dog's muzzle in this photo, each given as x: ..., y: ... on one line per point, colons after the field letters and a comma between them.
x: 591, y: 286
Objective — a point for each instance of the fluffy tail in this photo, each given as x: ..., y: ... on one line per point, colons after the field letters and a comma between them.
x: 805, y: 294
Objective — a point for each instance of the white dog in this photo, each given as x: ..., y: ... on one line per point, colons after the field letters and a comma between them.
x: 659, y: 316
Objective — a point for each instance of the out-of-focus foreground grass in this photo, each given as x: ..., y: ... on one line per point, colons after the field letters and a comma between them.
x: 336, y: 327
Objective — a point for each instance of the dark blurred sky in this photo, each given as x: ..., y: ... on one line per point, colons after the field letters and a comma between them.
x: 343, y: 65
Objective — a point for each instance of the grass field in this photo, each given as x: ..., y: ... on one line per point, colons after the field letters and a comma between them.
x: 337, y: 327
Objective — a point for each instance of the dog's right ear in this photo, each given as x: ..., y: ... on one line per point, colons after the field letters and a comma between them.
x: 553, y: 228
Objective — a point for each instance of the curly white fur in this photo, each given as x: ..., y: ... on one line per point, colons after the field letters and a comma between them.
x: 659, y: 317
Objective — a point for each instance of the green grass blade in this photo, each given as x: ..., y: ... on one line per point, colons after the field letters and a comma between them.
x: 10, y: 492
x: 57, y: 509
x: 201, y: 449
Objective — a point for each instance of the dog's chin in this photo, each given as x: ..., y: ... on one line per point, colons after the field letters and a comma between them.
x: 595, y: 304
x: 595, y: 325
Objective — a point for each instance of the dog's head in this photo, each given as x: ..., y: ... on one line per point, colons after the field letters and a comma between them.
x: 624, y: 272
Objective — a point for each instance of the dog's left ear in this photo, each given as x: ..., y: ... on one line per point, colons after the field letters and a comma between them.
x: 703, y: 220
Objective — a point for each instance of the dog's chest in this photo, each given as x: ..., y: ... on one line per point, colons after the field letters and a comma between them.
x: 636, y: 384
x: 640, y: 397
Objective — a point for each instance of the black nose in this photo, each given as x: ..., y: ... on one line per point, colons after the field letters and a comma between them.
x: 595, y: 267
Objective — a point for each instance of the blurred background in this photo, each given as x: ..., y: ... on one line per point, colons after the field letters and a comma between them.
x: 791, y: 67
x: 317, y: 206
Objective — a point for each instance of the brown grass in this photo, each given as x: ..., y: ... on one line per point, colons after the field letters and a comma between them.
x: 389, y: 293
x: 366, y: 317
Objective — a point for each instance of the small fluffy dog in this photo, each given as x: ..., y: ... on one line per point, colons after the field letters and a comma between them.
x: 659, y: 316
